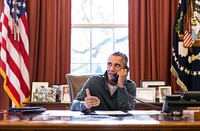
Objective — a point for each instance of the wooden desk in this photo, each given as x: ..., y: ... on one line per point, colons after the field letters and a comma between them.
x: 65, y: 120
x: 140, y: 106
x: 64, y: 106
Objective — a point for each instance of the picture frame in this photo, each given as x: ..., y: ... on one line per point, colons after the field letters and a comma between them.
x: 145, y: 94
x: 36, y: 94
x: 157, y: 96
x: 57, y: 87
x: 65, y: 94
x: 148, y: 83
x: 163, y: 91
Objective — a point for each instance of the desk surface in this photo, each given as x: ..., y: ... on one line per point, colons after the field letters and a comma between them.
x: 69, y: 120
x: 64, y: 106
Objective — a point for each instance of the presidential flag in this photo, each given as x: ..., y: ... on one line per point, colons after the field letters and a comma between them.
x: 14, y: 51
x: 186, y: 45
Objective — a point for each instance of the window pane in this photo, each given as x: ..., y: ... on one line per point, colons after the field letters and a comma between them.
x: 102, y: 43
x: 80, y: 68
x: 80, y: 49
x: 99, y: 68
x: 81, y: 11
x: 121, y: 40
x: 102, y: 12
x: 120, y: 11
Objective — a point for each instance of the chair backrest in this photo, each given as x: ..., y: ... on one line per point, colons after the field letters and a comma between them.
x: 75, y: 83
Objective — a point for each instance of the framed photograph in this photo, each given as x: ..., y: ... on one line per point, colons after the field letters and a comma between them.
x: 65, y: 94
x: 157, y: 96
x: 57, y: 87
x: 36, y: 94
x: 41, y: 97
x: 150, y: 83
x: 145, y: 94
x: 163, y: 91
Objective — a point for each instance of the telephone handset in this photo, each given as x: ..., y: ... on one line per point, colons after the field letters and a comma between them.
x: 115, y: 76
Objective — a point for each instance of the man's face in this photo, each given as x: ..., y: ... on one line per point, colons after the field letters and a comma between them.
x: 114, y: 64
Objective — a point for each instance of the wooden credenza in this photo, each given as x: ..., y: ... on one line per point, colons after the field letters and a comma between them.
x: 66, y: 106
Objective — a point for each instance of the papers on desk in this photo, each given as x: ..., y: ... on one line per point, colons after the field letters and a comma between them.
x: 144, y: 112
x: 62, y: 113
x: 110, y: 113
x: 133, y: 112
x: 101, y: 117
x: 117, y: 113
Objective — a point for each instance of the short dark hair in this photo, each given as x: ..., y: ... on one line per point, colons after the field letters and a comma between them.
x: 124, y: 57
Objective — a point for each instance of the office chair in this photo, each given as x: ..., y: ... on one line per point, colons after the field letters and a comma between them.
x: 75, y: 83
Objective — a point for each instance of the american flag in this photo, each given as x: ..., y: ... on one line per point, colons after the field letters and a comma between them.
x: 187, y: 39
x: 14, y: 51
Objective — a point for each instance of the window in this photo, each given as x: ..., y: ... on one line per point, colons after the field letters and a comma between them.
x: 99, y: 27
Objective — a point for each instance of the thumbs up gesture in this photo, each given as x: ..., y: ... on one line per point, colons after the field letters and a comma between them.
x: 91, y: 101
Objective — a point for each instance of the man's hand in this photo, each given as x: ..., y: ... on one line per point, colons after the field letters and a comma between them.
x: 122, y: 77
x: 91, y: 101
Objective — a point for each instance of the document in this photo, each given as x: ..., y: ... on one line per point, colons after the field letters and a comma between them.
x: 110, y: 113
x: 144, y: 112
x: 62, y: 113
